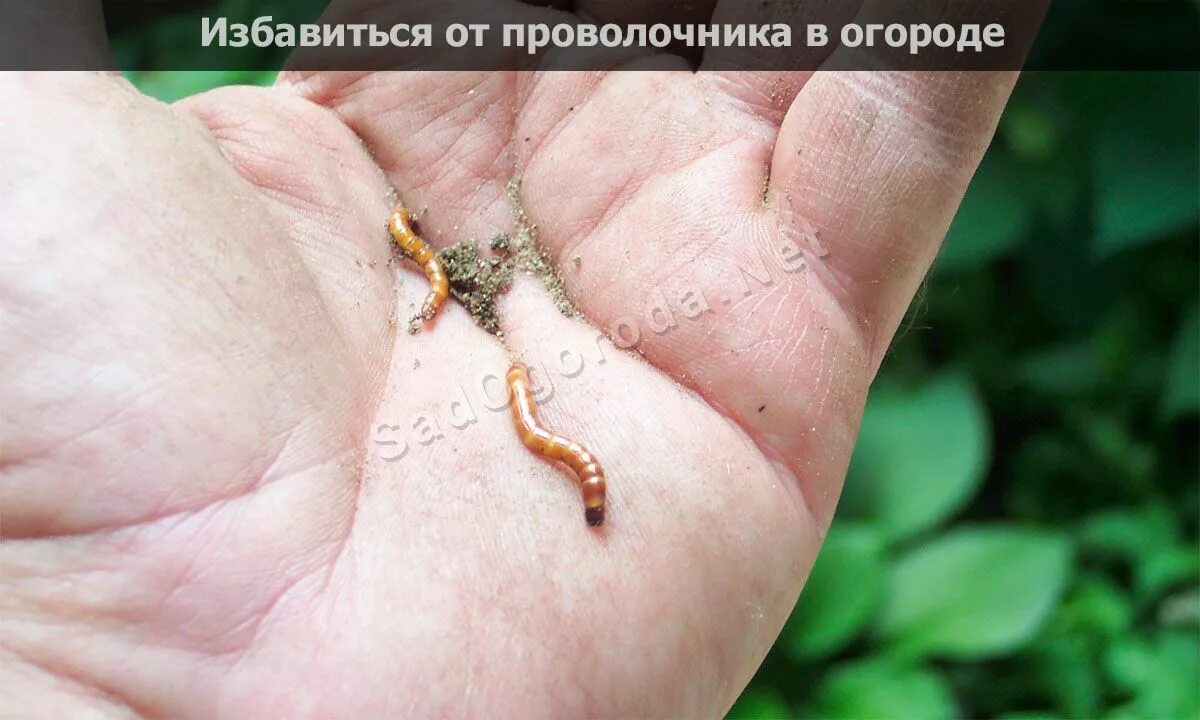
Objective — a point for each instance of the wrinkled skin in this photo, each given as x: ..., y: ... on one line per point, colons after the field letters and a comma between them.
x: 203, y: 331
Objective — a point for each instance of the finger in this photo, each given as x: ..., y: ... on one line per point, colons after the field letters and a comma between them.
x: 640, y: 128
x: 870, y: 168
x: 442, y: 140
x: 764, y: 94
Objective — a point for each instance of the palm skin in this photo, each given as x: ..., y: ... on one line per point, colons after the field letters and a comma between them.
x: 203, y: 336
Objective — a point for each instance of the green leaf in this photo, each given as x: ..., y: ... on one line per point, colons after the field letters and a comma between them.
x: 1160, y: 571
x: 1097, y: 609
x: 975, y: 592
x: 994, y: 217
x: 1064, y: 665
x: 1062, y: 661
x: 1182, y: 393
x: 1146, y: 176
x: 921, y: 455
x: 883, y: 689
x: 759, y: 704
x: 1030, y: 130
x: 1109, y: 438
x: 1129, y: 533
x: 1160, y: 673
x: 1148, y: 540
x: 841, y: 594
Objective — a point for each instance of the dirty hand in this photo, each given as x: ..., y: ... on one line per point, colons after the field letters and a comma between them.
x: 232, y: 483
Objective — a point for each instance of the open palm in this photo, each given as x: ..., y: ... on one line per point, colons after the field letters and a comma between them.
x: 231, y: 483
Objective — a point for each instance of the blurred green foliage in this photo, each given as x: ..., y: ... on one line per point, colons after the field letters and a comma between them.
x: 1018, y: 534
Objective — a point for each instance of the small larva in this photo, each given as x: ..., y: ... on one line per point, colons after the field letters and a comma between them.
x: 413, y: 246
x: 556, y: 447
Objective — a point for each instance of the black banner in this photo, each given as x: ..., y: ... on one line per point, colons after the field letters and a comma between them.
x: 602, y: 34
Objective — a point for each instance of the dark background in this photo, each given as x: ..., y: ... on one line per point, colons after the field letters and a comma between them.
x: 1018, y: 536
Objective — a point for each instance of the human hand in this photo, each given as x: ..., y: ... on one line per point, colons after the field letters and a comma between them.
x: 203, y: 336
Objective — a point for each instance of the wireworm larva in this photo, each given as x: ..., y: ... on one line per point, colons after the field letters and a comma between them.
x: 400, y: 226
x: 556, y: 447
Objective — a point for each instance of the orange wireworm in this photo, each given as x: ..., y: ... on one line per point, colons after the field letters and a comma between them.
x: 400, y: 225
x: 556, y: 447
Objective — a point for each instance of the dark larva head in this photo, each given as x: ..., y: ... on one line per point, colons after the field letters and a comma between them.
x: 595, y: 516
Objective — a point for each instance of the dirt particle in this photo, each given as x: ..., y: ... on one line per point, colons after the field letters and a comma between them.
x: 475, y: 281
